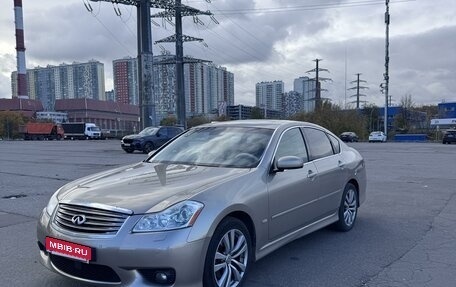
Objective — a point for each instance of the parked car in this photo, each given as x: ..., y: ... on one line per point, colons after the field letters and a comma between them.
x: 449, y: 137
x: 377, y: 136
x: 205, y: 206
x: 349, y: 137
x: 149, y: 139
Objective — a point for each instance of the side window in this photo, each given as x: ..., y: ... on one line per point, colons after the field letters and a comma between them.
x: 174, y: 132
x: 163, y: 132
x: 335, y: 144
x: 292, y: 143
x: 319, y: 144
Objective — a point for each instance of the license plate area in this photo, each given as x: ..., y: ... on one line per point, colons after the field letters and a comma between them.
x: 69, y: 249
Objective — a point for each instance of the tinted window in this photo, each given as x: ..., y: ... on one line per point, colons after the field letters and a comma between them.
x: 335, y: 144
x: 319, y: 144
x: 163, y: 132
x: 292, y: 143
x: 172, y: 132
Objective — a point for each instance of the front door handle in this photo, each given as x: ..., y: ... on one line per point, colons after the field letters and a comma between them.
x: 311, y: 174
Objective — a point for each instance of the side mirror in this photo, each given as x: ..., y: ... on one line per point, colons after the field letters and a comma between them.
x: 288, y: 162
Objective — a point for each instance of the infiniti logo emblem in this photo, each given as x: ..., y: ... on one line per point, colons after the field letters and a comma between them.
x: 78, y: 219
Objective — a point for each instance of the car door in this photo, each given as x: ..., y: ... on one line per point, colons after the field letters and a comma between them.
x: 162, y: 136
x: 324, y: 152
x: 292, y: 192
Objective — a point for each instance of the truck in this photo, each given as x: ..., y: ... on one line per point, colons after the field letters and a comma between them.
x: 81, y: 131
x: 42, y: 131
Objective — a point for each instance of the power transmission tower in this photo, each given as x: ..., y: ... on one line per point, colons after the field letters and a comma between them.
x: 358, y: 87
x: 178, y: 11
x: 145, y: 56
x: 318, y: 80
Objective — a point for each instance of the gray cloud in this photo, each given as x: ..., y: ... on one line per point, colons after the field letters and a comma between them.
x: 261, y: 46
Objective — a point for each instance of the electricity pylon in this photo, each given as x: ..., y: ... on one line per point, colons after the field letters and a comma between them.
x: 318, y: 80
x: 178, y: 11
x: 358, y: 87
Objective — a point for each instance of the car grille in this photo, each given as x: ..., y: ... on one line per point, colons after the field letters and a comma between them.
x: 129, y: 141
x: 97, y: 221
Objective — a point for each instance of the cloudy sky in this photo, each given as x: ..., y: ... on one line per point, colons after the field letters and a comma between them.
x: 260, y: 40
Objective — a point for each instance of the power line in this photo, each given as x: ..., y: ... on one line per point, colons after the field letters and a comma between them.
x: 90, y: 10
x: 306, y: 7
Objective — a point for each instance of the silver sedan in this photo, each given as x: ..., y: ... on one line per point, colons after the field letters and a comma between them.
x: 203, y: 207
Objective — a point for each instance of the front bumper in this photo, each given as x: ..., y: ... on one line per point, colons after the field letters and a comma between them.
x: 127, y: 258
x: 132, y: 146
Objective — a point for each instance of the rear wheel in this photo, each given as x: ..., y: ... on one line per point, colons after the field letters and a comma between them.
x: 229, y: 255
x: 348, y: 209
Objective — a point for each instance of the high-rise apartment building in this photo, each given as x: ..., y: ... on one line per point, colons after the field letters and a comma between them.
x: 126, y: 88
x: 206, y: 86
x: 306, y: 89
x: 66, y: 81
x: 269, y: 95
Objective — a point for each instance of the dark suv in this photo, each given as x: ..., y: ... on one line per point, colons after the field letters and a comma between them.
x: 149, y: 139
x: 449, y: 137
x: 349, y: 137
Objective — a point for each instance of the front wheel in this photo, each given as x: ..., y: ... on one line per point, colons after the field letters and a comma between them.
x: 148, y: 147
x: 348, y: 209
x: 229, y: 255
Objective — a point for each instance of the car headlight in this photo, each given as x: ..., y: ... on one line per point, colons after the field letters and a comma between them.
x: 52, y: 203
x: 180, y: 215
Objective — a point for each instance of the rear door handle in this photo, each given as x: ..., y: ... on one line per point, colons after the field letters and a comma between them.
x: 341, y: 164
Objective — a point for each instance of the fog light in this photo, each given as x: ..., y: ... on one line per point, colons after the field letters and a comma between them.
x: 161, y: 277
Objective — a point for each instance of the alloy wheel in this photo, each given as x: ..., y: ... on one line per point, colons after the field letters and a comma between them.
x: 231, y: 259
x: 350, y: 207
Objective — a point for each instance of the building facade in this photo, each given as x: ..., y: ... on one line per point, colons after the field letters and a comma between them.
x: 269, y: 95
x: 447, y: 116
x: 126, y: 85
x: 113, y: 117
x: 306, y: 89
x: 206, y: 86
x: 239, y: 112
x: 66, y: 81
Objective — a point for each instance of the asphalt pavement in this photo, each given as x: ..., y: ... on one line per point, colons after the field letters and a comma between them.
x: 405, y: 234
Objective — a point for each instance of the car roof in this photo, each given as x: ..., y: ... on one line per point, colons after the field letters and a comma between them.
x: 269, y: 124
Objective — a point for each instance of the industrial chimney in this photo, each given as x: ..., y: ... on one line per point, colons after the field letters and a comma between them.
x: 20, y: 49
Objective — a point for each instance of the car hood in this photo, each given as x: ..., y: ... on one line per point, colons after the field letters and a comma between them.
x: 146, y: 187
x: 132, y: 137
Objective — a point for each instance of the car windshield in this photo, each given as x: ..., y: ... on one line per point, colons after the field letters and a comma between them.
x: 148, y: 131
x: 241, y: 147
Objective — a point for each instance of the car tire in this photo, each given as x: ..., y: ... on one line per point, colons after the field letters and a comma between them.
x: 348, y: 209
x: 229, y: 255
x: 129, y: 150
x: 148, y: 147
